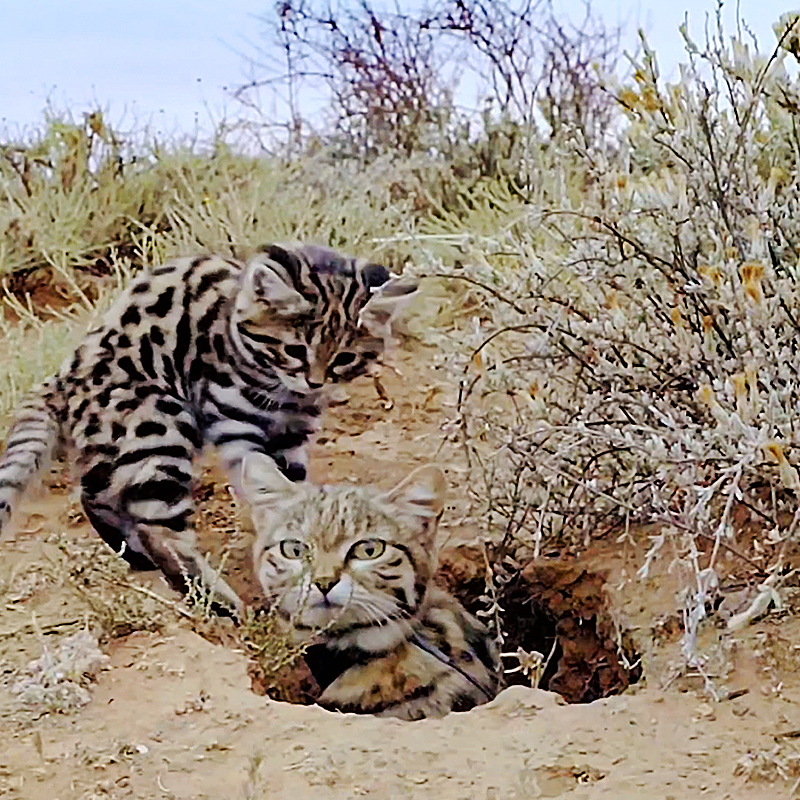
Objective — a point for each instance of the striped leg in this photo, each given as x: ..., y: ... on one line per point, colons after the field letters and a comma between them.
x: 293, y: 463
x: 283, y: 436
x: 28, y: 448
x: 139, y: 499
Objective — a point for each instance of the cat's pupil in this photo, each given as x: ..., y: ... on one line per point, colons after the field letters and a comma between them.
x: 368, y: 548
x: 343, y: 359
x: 295, y: 351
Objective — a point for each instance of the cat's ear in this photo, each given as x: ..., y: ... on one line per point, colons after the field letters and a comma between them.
x: 265, y: 291
x: 389, y: 296
x: 263, y: 483
x: 324, y: 260
x: 422, y: 493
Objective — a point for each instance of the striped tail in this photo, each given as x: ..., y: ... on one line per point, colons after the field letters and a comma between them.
x: 29, y: 447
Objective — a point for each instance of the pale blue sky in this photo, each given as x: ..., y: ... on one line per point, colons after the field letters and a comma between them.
x: 168, y: 62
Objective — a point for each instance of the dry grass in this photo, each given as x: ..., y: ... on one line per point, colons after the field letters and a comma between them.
x: 113, y: 604
x: 72, y: 202
x: 269, y: 644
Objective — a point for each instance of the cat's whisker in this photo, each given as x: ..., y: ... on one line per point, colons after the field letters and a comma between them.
x: 375, y: 614
x: 382, y: 617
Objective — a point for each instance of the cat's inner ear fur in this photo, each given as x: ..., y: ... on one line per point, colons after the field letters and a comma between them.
x: 421, y: 494
x: 390, y: 294
x: 263, y: 483
x: 265, y: 293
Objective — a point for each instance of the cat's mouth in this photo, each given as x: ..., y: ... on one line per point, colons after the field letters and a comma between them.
x: 322, y: 616
x: 326, y: 606
x: 297, y: 384
x: 342, y: 607
x: 321, y: 610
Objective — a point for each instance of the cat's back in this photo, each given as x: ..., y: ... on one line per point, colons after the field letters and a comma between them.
x: 162, y: 311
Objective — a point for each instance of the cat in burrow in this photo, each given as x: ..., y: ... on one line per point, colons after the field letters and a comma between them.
x: 348, y: 570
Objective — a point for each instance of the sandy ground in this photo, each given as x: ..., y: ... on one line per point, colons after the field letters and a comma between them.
x: 172, y: 715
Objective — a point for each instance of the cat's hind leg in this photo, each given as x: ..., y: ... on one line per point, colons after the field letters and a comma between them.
x: 139, y: 499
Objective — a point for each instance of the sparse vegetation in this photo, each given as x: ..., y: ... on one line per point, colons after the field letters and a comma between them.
x: 114, y: 605
x: 57, y: 680
x: 274, y: 657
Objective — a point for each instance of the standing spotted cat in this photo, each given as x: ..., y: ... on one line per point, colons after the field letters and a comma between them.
x: 349, y: 570
x: 199, y: 351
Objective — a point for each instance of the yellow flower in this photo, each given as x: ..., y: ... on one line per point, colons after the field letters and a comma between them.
x: 751, y: 274
x: 650, y: 100
x: 712, y: 274
x: 751, y: 376
x: 739, y: 381
x: 707, y: 396
x: 709, y: 399
x: 788, y: 473
x: 629, y: 98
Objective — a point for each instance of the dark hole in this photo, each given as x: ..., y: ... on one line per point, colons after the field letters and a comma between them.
x: 559, y: 610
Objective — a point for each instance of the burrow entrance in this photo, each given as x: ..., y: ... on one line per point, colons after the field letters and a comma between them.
x: 558, y: 610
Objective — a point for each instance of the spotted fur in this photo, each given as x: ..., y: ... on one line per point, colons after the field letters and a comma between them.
x: 199, y: 351
x: 349, y: 570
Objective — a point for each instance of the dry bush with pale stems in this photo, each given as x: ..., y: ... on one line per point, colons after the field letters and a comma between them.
x: 629, y: 353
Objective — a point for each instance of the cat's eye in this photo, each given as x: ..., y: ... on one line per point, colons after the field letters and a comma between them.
x: 367, y: 549
x: 343, y: 359
x: 297, y: 351
x: 293, y: 549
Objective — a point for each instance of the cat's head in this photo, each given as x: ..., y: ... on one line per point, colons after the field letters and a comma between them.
x: 348, y: 565
x: 315, y: 316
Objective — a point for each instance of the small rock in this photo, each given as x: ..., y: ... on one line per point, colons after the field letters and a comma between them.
x: 523, y: 700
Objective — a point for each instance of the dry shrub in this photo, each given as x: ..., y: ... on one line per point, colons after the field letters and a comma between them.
x: 115, y: 605
x: 631, y: 355
x: 58, y: 680
x: 277, y: 668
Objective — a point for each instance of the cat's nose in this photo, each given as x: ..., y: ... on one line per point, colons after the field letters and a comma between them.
x: 325, y: 584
